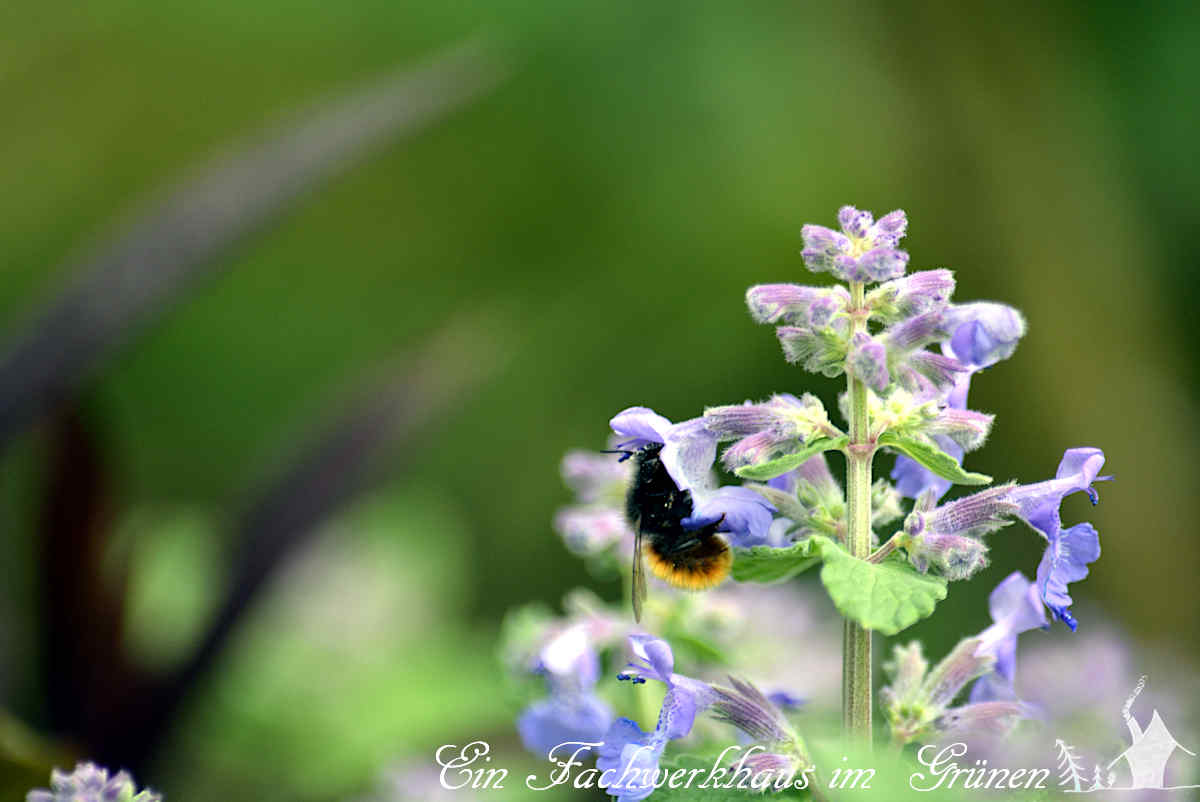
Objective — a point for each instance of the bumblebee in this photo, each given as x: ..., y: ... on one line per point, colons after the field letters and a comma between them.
x: 693, y: 558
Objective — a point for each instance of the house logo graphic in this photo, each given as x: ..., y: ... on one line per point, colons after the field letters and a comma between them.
x: 1146, y: 758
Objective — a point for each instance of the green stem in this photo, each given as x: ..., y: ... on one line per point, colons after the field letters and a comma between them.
x: 890, y: 545
x: 856, y: 651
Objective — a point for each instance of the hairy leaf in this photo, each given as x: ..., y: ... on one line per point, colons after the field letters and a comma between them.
x: 781, y: 465
x: 933, y: 458
x: 887, y: 597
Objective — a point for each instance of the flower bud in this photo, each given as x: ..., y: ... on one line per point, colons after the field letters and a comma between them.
x: 795, y: 305
x: 818, y: 350
x: 865, y: 250
x: 955, y: 557
x: 914, y: 294
x: 867, y: 362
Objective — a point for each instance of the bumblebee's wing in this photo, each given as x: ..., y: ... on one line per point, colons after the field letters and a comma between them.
x: 639, y: 573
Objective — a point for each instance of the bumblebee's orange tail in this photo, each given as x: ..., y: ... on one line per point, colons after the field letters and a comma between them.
x: 700, y: 568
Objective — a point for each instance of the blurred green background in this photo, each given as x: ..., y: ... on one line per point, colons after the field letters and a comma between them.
x: 602, y: 209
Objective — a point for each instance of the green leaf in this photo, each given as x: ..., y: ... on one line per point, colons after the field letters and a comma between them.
x: 886, y: 597
x: 933, y: 458
x: 777, y: 467
x: 767, y: 564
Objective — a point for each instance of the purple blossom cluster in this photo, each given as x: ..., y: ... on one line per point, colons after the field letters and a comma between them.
x: 91, y: 783
x: 909, y: 354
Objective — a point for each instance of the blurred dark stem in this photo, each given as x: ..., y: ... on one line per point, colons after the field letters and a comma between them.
x: 119, y: 713
x: 81, y: 647
x: 115, y: 711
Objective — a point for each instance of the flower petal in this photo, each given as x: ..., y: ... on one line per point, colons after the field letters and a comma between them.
x: 1065, y: 561
x: 641, y: 425
x: 689, y: 454
x: 547, y: 723
x: 747, y: 514
x: 984, y: 333
x: 678, y: 714
x: 1040, y: 502
x: 656, y: 654
x: 882, y: 264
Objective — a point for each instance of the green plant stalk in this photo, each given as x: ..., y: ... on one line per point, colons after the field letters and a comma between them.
x: 856, y: 643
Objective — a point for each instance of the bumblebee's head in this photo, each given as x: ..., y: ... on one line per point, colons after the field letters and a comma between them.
x: 626, y: 453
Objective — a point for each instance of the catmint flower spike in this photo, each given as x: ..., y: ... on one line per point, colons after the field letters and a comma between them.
x: 864, y: 251
x: 747, y: 708
x: 90, y: 783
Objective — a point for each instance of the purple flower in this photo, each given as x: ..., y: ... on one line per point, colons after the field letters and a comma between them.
x: 967, y: 428
x: 917, y: 698
x: 1015, y: 607
x: 991, y: 657
x: 865, y: 249
x: 972, y: 516
x: 689, y: 450
x: 596, y: 522
x: 964, y: 663
x: 653, y: 659
x: 753, y: 712
x: 914, y: 294
x: 954, y: 556
x: 1068, y: 551
x: 592, y: 530
x: 867, y: 361
x: 572, y: 713
x: 562, y: 719
x: 995, y: 717
x: 946, y: 538
x: 630, y: 758
x: 981, y: 334
x: 747, y: 515
x: 90, y: 783
x: 641, y: 425
x: 771, y: 429
x: 794, y: 305
x: 628, y: 755
x: 1065, y: 560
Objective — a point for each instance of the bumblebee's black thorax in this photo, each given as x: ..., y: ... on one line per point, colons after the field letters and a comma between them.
x: 695, y: 559
x: 654, y: 502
